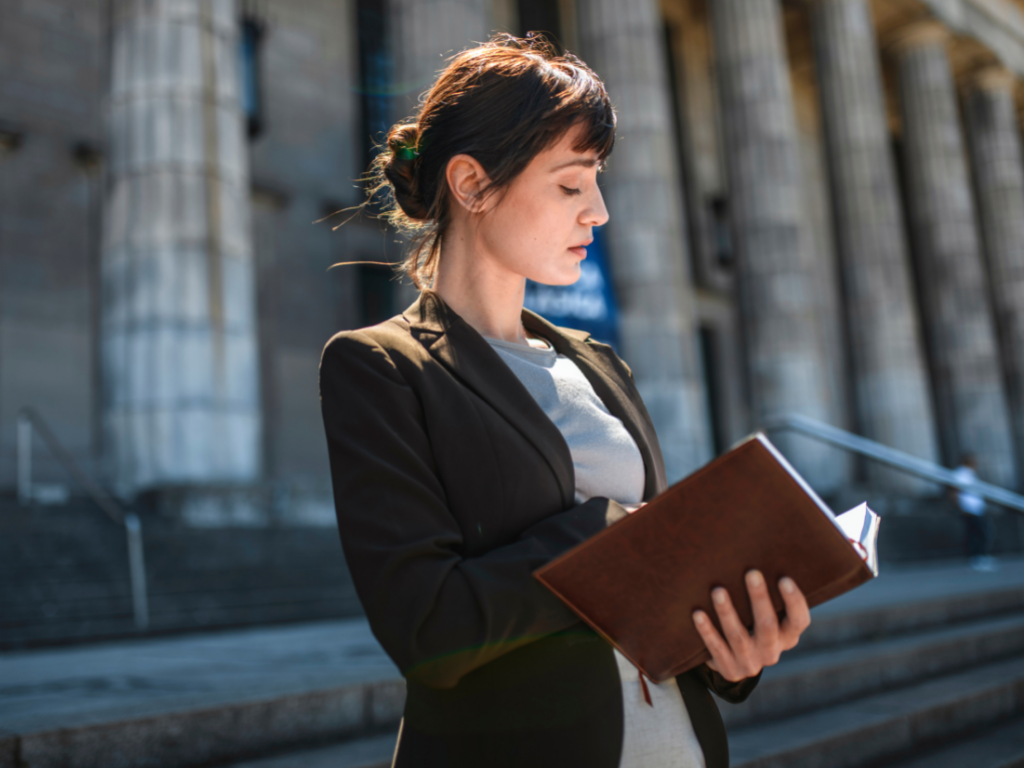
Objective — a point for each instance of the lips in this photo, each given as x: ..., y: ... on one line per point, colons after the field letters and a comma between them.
x: 581, y: 249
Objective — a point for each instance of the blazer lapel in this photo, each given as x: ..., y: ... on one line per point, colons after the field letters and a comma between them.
x: 457, y: 345
x: 622, y: 403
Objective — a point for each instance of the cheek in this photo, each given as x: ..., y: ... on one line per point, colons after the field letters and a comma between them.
x: 543, y: 222
x: 528, y: 229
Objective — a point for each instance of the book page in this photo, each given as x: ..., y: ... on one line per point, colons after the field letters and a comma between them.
x: 860, y: 525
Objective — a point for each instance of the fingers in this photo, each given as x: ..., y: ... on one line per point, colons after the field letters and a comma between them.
x: 739, y: 654
x: 737, y: 635
x: 798, y: 615
x: 722, y: 659
x: 766, y: 622
x: 743, y: 657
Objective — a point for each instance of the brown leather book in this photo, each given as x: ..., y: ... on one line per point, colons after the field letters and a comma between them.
x: 639, y: 581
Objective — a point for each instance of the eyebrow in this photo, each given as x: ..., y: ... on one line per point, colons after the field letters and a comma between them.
x: 585, y: 162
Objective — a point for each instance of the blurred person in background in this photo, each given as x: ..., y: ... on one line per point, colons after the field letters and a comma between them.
x: 978, y: 533
x: 472, y: 442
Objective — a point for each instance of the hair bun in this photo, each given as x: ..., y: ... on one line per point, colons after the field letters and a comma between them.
x: 401, y: 170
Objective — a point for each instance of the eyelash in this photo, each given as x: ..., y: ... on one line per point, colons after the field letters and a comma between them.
x: 569, y: 191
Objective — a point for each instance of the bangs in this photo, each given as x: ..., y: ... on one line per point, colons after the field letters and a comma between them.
x: 540, y: 96
x: 598, y: 132
x: 583, y: 101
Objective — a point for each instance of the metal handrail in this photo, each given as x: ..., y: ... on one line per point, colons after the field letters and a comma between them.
x: 29, y: 418
x: 891, y: 457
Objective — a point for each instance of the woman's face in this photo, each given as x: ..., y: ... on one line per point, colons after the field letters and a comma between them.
x: 540, y: 225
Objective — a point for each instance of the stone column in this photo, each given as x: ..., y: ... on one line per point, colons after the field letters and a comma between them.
x: 623, y: 42
x: 971, y: 405
x: 787, y: 364
x: 179, y: 335
x: 889, y: 376
x: 995, y: 144
x: 423, y: 36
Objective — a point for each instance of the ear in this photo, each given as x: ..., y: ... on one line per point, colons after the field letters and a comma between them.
x: 466, y: 181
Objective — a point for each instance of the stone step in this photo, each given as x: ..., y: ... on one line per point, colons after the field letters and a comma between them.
x: 999, y: 747
x: 235, y: 694
x: 874, y: 728
x: 193, y: 612
x: 371, y: 752
x: 95, y: 597
x: 822, y: 678
x: 909, y: 600
x: 64, y: 576
x: 218, y: 732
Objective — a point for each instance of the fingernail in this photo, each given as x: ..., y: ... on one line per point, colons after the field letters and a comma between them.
x: 754, y: 578
x: 698, y: 616
x: 786, y: 585
x: 718, y: 596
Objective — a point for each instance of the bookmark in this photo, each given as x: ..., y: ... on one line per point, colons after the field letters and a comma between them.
x: 647, y: 693
x: 861, y: 549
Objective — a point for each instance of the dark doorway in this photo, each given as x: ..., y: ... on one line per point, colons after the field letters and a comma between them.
x: 707, y: 338
x: 374, y: 75
x: 376, y: 294
x: 541, y: 16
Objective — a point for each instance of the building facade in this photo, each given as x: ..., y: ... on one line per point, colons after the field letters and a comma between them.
x: 817, y: 207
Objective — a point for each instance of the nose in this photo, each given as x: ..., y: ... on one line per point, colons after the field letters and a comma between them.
x: 596, y: 213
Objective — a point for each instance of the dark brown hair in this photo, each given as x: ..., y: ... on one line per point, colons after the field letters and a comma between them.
x: 502, y: 103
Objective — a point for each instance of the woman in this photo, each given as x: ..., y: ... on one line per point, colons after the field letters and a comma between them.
x: 471, y: 442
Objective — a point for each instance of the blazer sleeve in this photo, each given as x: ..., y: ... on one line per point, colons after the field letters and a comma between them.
x: 437, y: 614
x: 734, y: 693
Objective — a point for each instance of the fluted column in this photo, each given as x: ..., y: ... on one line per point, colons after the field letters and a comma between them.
x: 889, y: 374
x: 623, y: 42
x: 179, y: 334
x: 971, y: 404
x: 785, y: 347
x: 424, y: 34
x: 995, y: 144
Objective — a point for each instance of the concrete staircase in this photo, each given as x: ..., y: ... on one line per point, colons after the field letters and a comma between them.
x: 206, y: 699
x: 923, y: 667
x: 884, y: 684
x: 64, y: 576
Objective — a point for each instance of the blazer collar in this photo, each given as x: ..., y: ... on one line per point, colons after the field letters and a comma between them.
x: 620, y: 397
x: 466, y: 353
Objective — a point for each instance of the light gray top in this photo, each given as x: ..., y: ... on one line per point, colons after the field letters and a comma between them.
x: 604, y: 455
x: 608, y: 463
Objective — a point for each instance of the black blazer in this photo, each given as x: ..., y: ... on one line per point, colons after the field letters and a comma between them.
x: 452, y: 486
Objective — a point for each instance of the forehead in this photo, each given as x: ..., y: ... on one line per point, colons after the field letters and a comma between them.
x: 563, y: 154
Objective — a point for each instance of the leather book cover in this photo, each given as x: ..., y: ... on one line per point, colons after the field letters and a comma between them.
x: 638, y: 582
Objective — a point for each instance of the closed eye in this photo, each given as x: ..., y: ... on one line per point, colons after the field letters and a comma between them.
x: 569, y: 190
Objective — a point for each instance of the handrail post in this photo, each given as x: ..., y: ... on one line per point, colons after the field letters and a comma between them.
x: 29, y: 419
x: 24, y: 459
x: 137, y: 567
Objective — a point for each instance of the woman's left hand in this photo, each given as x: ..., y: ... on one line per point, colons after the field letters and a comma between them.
x: 742, y: 653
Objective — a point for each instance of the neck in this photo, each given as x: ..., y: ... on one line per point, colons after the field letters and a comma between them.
x: 482, y: 292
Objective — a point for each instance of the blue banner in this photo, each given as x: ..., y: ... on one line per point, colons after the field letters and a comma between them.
x: 588, y: 304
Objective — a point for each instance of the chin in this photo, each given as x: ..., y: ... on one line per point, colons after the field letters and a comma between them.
x: 561, y: 278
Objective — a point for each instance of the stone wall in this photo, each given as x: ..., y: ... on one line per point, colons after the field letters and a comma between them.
x: 54, y: 69
x: 304, y: 166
